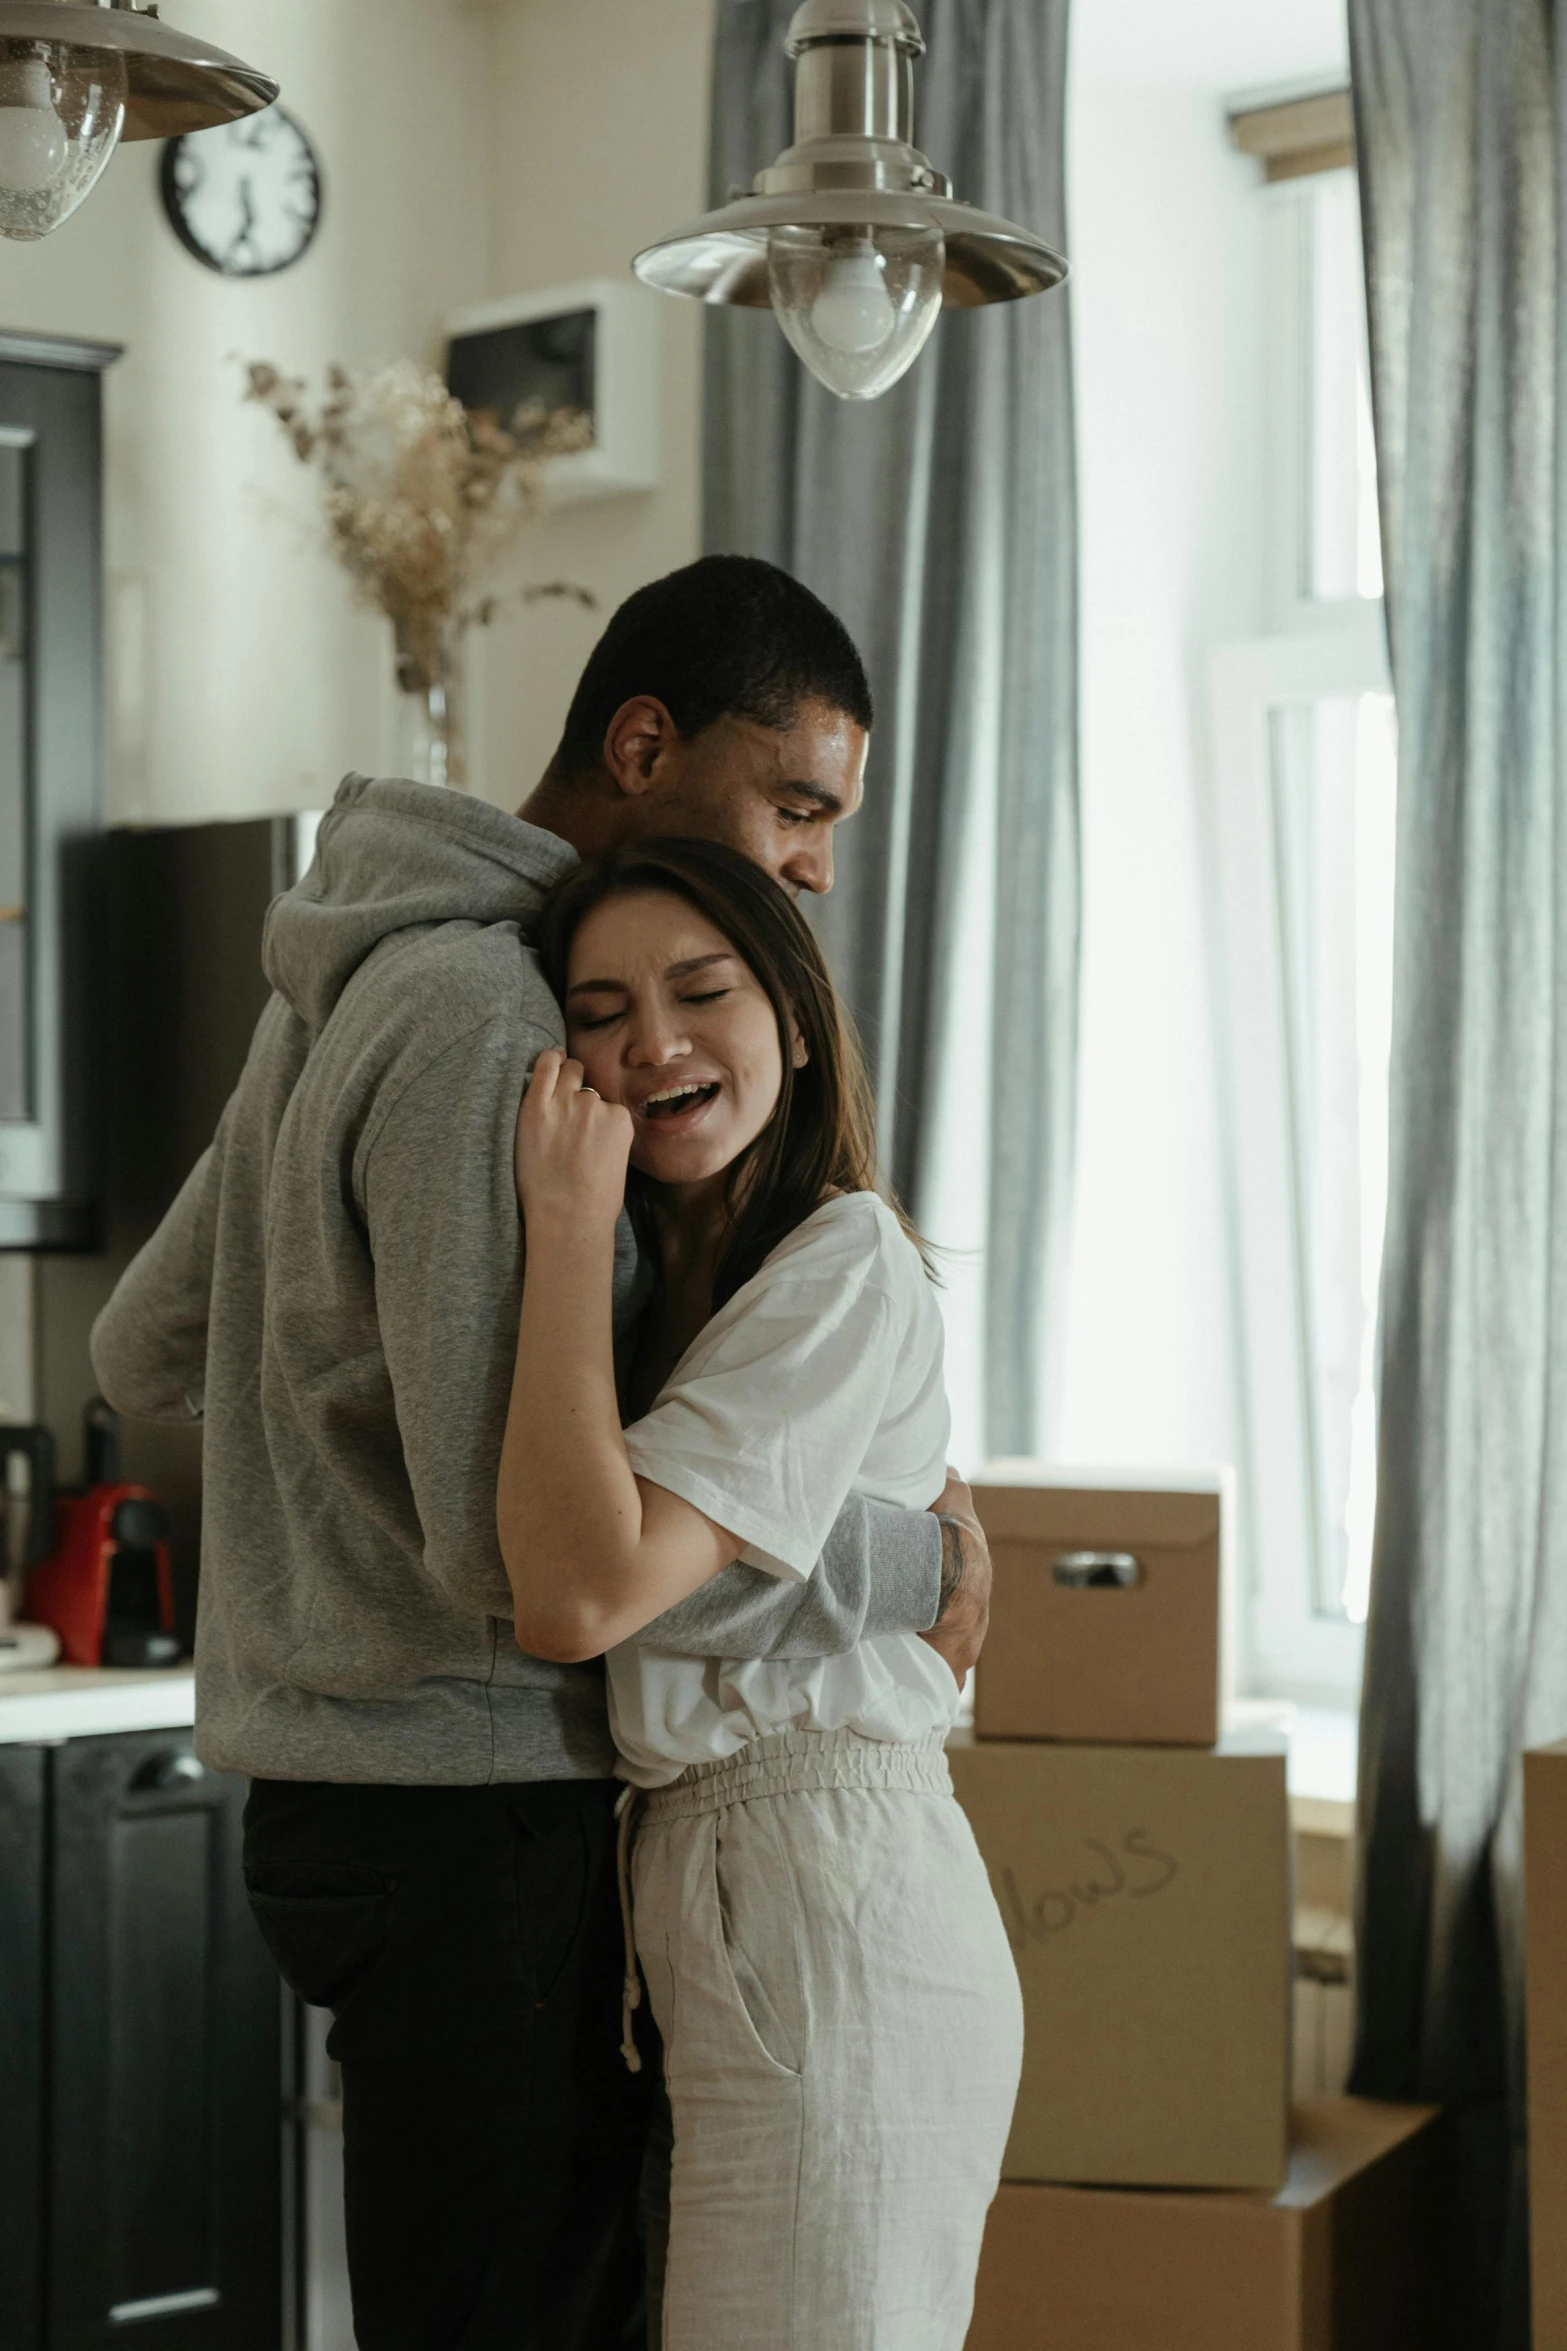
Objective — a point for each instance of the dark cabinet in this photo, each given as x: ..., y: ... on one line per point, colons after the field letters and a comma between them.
x: 177, y: 992
x: 156, y: 2126
x: 51, y: 780
x: 23, y: 1798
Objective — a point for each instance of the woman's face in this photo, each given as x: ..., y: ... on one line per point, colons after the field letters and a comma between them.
x: 665, y: 1018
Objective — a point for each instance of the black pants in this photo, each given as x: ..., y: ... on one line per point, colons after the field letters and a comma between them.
x: 468, y: 1943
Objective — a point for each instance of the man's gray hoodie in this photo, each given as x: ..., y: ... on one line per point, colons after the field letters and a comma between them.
x: 335, y: 1293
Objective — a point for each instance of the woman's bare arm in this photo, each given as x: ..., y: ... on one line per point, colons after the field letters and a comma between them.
x: 592, y: 1552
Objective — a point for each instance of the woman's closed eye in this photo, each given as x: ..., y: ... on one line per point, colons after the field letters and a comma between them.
x: 586, y: 1023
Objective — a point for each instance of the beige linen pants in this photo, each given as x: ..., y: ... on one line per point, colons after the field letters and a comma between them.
x: 843, y: 2034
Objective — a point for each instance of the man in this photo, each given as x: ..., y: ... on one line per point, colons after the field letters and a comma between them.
x: 430, y: 1834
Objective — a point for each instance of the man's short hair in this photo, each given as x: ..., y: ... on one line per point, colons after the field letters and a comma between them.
x: 726, y: 637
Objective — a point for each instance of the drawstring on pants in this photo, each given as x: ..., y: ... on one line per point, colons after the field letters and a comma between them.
x: 631, y: 1983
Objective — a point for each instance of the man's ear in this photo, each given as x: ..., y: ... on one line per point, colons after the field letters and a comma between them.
x: 639, y: 736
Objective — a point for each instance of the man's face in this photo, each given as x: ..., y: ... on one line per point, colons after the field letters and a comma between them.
x: 774, y: 794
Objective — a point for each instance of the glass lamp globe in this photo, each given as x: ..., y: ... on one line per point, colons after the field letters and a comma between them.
x: 62, y: 110
x: 858, y: 304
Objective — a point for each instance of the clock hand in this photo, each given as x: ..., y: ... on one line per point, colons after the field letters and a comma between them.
x: 247, y: 223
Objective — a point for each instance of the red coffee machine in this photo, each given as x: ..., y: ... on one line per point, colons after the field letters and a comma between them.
x: 106, y: 1587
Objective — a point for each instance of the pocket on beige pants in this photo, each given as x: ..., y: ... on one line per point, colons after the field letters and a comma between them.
x: 835, y: 2203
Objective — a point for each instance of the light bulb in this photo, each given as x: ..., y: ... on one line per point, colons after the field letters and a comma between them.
x: 854, y: 312
x: 858, y: 304
x: 34, y: 145
x: 61, y: 113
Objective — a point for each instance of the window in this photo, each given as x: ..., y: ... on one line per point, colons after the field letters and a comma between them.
x: 1302, y: 836
x: 1332, y: 774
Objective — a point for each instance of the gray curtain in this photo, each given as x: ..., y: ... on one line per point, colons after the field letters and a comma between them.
x: 1460, y: 136
x: 940, y: 523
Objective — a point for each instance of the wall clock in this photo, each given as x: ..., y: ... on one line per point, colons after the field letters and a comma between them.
x: 244, y: 199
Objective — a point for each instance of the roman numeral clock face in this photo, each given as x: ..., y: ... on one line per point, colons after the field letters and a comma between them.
x: 246, y: 198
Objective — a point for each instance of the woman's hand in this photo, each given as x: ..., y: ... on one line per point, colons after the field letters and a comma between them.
x: 590, y: 1553
x: 572, y: 1148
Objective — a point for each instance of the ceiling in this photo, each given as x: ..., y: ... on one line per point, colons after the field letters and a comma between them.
x: 1231, y: 46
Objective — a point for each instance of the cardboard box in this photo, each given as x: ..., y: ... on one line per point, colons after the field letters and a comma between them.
x: 1545, y: 1907
x: 1340, y: 2260
x: 1324, y: 2004
x: 1109, y: 1613
x: 1146, y: 1891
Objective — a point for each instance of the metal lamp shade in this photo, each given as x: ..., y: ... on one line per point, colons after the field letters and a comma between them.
x: 723, y: 256
x: 854, y: 172
x: 177, y: 83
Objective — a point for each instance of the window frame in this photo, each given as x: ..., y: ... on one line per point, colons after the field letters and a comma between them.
x: 1317, y: 650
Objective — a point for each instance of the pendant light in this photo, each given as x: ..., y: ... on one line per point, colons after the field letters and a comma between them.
x: 852, y: 236
x: 77, y: 76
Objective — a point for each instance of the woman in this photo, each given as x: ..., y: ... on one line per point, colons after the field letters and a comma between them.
x: 828, y: 1969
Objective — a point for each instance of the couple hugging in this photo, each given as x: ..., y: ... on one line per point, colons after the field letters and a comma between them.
x: 583, y: 1588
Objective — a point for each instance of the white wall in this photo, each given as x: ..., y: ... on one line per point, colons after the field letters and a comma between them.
x: 470, y: 147
x: 600, y: 143
x: 242, y: 679
x: 1210, y: 46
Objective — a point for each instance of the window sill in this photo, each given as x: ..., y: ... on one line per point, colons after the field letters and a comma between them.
x: 1322, y: 1744
x: 1324, y: 1755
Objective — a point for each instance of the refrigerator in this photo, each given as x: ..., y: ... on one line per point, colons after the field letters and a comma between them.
x: 176, y: 989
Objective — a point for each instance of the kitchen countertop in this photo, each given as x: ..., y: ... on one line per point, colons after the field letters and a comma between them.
x: 76, y: 1702
x: 82, y: 1702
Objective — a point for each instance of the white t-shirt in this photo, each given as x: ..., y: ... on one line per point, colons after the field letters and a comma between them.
x: 821, y: 1377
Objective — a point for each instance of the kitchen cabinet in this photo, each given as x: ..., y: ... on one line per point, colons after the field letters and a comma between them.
x: 23, y: 1795
x: 178, y: 992
x: 141, y: 2126
x: 51, y: 780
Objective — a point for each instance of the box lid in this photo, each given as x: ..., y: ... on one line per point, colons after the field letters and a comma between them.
x: 1238, y: 1741
x: 1096, y: 1517
x: 1331, y: 2139
x: 1026, y: 1469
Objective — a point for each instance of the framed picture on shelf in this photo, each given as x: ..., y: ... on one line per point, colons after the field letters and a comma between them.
x: 592, y: 346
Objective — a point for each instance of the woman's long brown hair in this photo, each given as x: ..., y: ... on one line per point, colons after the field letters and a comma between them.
x: 821, y: 1137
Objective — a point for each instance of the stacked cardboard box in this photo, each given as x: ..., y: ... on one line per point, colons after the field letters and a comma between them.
x: 1142, y: 1862
x: 1339, y: 2260
x: 1545, y: 1909
x: 1324, y: 2011
x: 1114, y: 1609
x: 1146, y: 1892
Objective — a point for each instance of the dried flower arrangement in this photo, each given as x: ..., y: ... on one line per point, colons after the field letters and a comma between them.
x: 424, y: 503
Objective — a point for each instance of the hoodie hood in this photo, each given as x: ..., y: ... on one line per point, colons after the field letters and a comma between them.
x: 391, y: 855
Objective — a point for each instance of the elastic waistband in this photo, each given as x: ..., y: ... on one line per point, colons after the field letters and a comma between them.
x: 789, y: 1760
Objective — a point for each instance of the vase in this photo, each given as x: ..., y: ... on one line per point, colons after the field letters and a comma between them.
x: 431, y: 675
